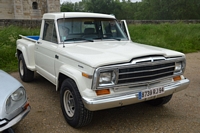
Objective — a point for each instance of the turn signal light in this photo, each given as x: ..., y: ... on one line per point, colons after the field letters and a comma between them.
x: 177, y: 78
x: 86, y: 75
x: 26, y: 106
x: 102, y: 92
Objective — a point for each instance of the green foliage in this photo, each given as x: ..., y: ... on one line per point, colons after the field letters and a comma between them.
x: 180, y: 37
x: 144, y: 10
x: 9, y: 35
x: 72, y: 7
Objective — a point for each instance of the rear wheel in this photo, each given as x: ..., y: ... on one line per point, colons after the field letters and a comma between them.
x: 160, y: 101
x: 72, y: 106
x: 26, y: 75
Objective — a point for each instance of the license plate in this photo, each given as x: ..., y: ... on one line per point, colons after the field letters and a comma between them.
x: 150, y: 92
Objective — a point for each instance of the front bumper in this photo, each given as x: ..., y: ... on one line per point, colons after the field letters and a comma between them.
x: 15, y: 120
x: 129, y: 98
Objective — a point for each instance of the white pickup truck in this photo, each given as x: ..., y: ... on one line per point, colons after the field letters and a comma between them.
x: 92, y: 61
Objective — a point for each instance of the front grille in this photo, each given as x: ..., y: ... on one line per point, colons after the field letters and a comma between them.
x: 152, y: 71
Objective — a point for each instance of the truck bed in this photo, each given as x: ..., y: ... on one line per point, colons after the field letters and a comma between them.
x: 31, y: 38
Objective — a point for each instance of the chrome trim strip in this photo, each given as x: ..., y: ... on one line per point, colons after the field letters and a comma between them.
x: 3, y: 122
x: 16, y: 119
x: 138, y: 83
x: 151, y: 59
x: 128, y: 98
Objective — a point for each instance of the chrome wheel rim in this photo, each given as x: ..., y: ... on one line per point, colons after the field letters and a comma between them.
x: 21, y: 69
x: 68, y: 101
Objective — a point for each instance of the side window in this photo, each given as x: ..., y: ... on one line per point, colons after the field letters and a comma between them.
x: 49, y: 32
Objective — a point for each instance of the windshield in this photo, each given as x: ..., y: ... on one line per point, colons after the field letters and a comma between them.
x: 89, y: 29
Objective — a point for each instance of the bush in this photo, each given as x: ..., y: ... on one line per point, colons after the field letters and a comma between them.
x: 9, y: 35
x: 180, y: 37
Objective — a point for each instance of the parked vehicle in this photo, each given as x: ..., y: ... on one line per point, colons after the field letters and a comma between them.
x: 13, y: 102
x: 92, y: 61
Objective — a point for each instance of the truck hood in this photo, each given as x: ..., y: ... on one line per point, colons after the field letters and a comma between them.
x: 101, y: 53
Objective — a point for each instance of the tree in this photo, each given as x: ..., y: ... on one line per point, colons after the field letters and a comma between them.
x: 67, y: 7
x: 144, y: 10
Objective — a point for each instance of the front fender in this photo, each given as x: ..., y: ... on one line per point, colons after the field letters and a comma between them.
x: 27, y: 49
x: 82, y: 82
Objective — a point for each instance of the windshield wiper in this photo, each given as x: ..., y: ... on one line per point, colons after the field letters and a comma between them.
x: 118, y: 39
x: 78, y: 39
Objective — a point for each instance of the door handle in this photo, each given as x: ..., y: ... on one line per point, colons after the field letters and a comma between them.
x: 56, y: 56
x: 39, y: 42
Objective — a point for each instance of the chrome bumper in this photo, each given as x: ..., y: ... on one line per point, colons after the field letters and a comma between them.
x: 130, y: 98
x: 15, y: 120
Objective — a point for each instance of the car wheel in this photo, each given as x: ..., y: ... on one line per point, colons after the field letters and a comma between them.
x: 160, y: 101
x: 25, y: 74
x: 72, y: 106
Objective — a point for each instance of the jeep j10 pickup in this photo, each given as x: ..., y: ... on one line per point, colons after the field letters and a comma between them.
x: 92, y: 61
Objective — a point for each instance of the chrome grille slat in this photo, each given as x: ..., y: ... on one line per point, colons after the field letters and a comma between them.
x: 145, y: 76
x: 146, y: 70
x: 149, y: 71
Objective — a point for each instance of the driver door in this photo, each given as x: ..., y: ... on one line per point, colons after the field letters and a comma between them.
x: 45, y: 51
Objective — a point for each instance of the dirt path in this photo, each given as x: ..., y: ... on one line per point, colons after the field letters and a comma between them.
x: 180, y: 115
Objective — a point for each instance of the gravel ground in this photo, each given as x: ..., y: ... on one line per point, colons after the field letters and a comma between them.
x: 180, y: 115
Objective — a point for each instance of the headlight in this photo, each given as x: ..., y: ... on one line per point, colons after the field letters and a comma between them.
x: 18, y: 94
x: 16, y: 100
x: 178, y: 66
x: 107, y: 78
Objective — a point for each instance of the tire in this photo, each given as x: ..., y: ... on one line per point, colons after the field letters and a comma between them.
x: 26, y: 75
x: 160, y: 101
x: 9, y: 130
x: 72, y: 106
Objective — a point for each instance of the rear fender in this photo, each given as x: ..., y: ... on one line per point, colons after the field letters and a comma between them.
x: 27, y: 49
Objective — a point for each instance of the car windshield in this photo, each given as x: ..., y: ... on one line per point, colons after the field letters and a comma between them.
x: 89, y: 29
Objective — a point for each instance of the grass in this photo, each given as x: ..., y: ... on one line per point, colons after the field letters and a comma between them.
x: 180, y: 37
x: 8, y: 37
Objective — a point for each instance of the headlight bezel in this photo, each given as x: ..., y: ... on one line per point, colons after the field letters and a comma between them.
x: 179, y: 67
x: 97, y: 84
x: 107, y: 78
x: 16, y: 100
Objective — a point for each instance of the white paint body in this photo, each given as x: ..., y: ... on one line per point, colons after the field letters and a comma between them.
x: 84, y: 57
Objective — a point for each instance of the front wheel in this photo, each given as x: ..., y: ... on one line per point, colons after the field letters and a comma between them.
x: 160, y: 101
x: 72, y: 106
x: 26, y: 75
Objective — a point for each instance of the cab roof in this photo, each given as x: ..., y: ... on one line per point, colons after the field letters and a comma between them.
x: 59, y: 15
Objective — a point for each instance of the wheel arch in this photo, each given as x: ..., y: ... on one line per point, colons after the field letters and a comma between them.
x: 67, y: 72
x: 70, y: 72
x: 61, y: 78
x: 28, y: 54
